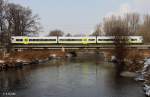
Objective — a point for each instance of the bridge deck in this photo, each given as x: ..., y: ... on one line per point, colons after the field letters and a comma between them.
x: 88, y: 46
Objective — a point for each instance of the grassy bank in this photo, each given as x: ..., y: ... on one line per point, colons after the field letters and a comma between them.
x: 18, y: 58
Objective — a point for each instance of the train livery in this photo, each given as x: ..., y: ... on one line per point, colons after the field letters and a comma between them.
x: 72, y: 40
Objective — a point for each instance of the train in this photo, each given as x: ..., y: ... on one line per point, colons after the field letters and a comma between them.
x: 72, y: 40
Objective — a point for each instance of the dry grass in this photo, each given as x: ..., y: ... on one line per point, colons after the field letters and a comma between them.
x: 33, y: 54
x: 133, y: 63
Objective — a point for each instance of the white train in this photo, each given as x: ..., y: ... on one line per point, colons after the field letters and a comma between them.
x: 72, y: 40
x: 33, y: 40
x: 77, y: 40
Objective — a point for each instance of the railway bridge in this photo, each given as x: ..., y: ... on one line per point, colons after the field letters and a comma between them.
x: 78, y: 46
x: 107, y: 50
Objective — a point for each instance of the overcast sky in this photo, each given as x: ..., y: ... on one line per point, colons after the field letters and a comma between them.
x: 80, y: 16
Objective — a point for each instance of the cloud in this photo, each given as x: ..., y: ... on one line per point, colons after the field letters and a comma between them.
x: 142, y: 1
x: 123, y: 9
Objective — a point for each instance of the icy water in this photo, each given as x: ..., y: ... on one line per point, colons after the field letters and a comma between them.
x: 68, y: 78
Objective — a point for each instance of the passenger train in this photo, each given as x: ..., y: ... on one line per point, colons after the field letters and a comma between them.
x: 72, y: 40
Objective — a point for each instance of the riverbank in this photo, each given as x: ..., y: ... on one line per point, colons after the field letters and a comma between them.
x: 35, y: 56
x: 144, y: 75
x: 21, y: 58
x: 138, y: 66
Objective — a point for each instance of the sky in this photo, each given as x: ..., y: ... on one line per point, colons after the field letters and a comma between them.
x: 79, y: 16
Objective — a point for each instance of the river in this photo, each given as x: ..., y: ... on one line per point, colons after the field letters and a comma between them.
x: 74, y: 77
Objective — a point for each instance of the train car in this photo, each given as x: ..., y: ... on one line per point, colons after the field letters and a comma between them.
x: 105, y: 39
x: 110, y: 39
x: 135, y: 39
x: 72, y: 40
x: 77, y: 40
x: 33, y: 40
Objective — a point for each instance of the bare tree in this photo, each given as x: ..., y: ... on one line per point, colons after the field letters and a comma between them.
x: 21, y: 20
x: 98, y: 31
x: 2, y: 20
x: 120, y: 50
x: 133, y: 21
x: 2, y: 15
x: 56, y: 33
x: 112, y: 22
x: 145, y: 29
x: 118, y: 28
x: 16, y: 20
x: 3, y: 26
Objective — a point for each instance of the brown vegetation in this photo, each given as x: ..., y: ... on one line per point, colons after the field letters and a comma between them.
x: 134, y: 61
x: 30, y: 55
x: 132, y: 22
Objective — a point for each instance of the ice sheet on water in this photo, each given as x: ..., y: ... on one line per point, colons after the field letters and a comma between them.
x: 147, y: 61
x: 146, y: 64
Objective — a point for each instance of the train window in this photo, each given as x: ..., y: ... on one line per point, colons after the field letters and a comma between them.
x: 31, y: 39
x: 51, y: 39
x: 70, y: 40
x: 18, y: 39
x: 117, y: 39
x: 77, y: 40
x: 63, y: 39
x: 47, y: 39
x: 133, y: 39
x: 91, y: 39
x: 100, y: 39
x: 105, y: 39
x: 109, y: 40
x: 42, y: 39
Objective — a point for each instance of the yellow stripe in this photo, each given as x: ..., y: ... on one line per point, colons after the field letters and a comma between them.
x: 26, y: 40
x: 85, y: 40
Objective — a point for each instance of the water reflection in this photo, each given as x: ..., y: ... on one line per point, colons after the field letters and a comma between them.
x: 76, y: 77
